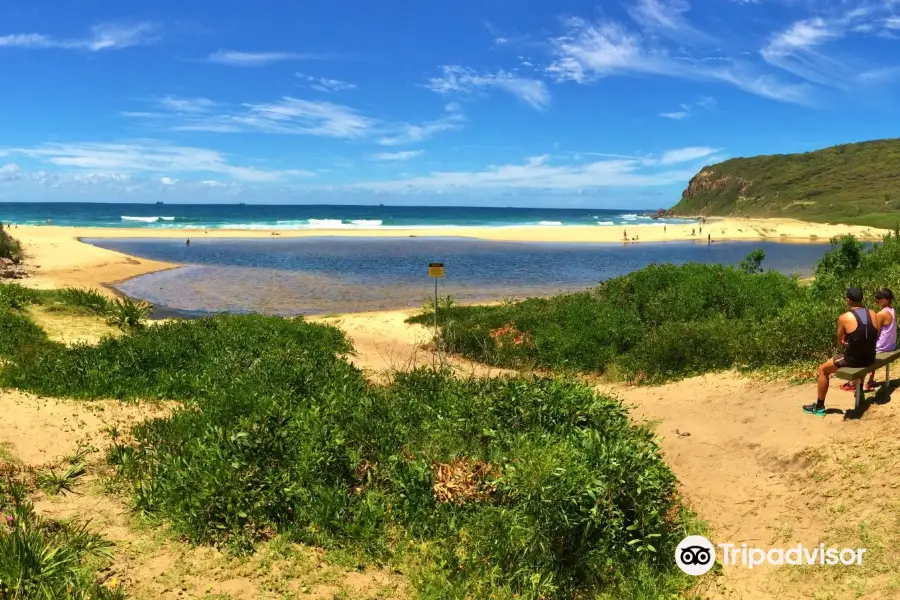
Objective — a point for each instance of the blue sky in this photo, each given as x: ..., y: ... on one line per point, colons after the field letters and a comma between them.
x: 510, y: 102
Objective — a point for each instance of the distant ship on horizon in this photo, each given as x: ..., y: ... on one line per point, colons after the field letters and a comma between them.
x: 158, y: 202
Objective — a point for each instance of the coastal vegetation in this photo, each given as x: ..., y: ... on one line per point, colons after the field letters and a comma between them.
x: 47, y: 559
x: 851, y: 183
x: 10, y: 248
x: 490, y: 488
x: 666, y: 322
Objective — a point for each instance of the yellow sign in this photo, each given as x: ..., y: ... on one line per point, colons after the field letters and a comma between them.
x: 435, y: 269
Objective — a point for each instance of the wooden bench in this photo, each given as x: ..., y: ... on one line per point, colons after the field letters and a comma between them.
x: 858, y: 374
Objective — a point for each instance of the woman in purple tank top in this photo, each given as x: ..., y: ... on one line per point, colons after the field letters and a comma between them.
x: 886, y: 322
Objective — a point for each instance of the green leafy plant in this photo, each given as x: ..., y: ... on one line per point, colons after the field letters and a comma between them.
x: 10, y: 248
x: 44, y: 559
x: 126, y: 313
x: 91, y: 300
x: 752, y: 263
x: 506, y: 487
x: 15, y: 296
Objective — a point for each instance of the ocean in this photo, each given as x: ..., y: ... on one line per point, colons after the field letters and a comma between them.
x: 319, y: 275
x: 269, y: 217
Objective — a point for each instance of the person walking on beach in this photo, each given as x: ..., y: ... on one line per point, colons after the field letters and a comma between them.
x: 625, y: 235
x: 857, y: 332
x: 708, y: 239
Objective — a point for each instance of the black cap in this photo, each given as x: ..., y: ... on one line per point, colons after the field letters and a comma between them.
x: 854, y: 294
x: 884, y: 294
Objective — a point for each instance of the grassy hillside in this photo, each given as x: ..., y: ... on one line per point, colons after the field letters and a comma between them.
x: 852, y: 183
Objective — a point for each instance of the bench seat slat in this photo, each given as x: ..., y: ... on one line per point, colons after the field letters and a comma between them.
x: 881, y: 359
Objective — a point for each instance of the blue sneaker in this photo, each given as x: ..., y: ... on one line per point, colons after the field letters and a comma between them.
x: 814, y: 409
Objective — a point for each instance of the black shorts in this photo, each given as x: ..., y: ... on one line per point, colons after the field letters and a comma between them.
x: 840, y: 361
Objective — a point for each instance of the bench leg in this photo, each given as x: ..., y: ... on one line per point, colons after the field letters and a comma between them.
x: 859, y: 394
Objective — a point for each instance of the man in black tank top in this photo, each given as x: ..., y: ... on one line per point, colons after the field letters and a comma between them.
x: 857, y: 332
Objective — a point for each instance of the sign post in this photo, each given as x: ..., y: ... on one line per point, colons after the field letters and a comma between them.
x: 436, y: 271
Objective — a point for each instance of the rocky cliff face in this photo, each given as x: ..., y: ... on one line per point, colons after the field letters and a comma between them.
x: 707, y: 181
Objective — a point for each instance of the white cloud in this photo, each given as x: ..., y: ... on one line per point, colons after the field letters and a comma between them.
x: 683, y: 155
x: 185, y: 105
x: 794, y: 51
x: 295, y: 116
x: 323, y: 84
x: 10, y: 172
x: 538, y: 174
x: 236, y: 58
x: 686, y: 109
x: 591, y: 51
x: 106, y: 36
x: 667, y: 17
x: 96, y: 178
x: 462, y: 80
x: 397, y: 156
x: 148, y: 156
x: 892, y: 23
x: 407, y: 133
x: 167, y: 181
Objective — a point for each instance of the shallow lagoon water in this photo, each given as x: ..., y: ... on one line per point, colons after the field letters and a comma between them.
x: 310, y: 276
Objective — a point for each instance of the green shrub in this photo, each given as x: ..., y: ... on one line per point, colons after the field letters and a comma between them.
x: 659, y: 323
x: 10, y: 247
x: 16, y: 297
x: 92, y: 300
x: 126, y: 313
x: 46, y: 559
x: 181, y: 360
x: 507, y: 487
x: 19, y: 335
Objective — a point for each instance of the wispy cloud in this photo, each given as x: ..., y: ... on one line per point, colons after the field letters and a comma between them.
x: 666, y: 17
x: 683, y: 155
x: 462, y: 81
x: 292, y: 116
x: 149, y: 156
x: 794, y: 50
x: 687, y: 109
x: 186, y: 105
x: 400, y: 134
x: 593, y: 50
x: 106, y: 36
x: 538, y: 173
x: 323, y: 84
x: 236, y: 58
x: 396, y: 156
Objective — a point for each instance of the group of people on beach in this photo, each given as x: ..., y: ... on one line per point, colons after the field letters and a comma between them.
x: 863, y: 333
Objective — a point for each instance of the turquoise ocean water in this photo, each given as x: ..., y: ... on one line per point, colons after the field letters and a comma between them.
x: 238, y: 216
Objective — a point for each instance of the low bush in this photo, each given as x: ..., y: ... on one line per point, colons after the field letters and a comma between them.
x: 495, y: 488
x: 19, y: 336
x: 126, y: 313
x: 44, y: 559
x: 16, y: 297
x: 659, y: 323
x: 91, y: 300
x: 10, y: 248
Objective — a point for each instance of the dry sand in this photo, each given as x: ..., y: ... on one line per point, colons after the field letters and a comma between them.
x: 59, y: 259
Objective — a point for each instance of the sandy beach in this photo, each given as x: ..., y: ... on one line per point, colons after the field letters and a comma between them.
x: 58, y: 259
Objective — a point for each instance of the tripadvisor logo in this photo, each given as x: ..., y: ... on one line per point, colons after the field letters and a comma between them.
x: 696, y: 555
